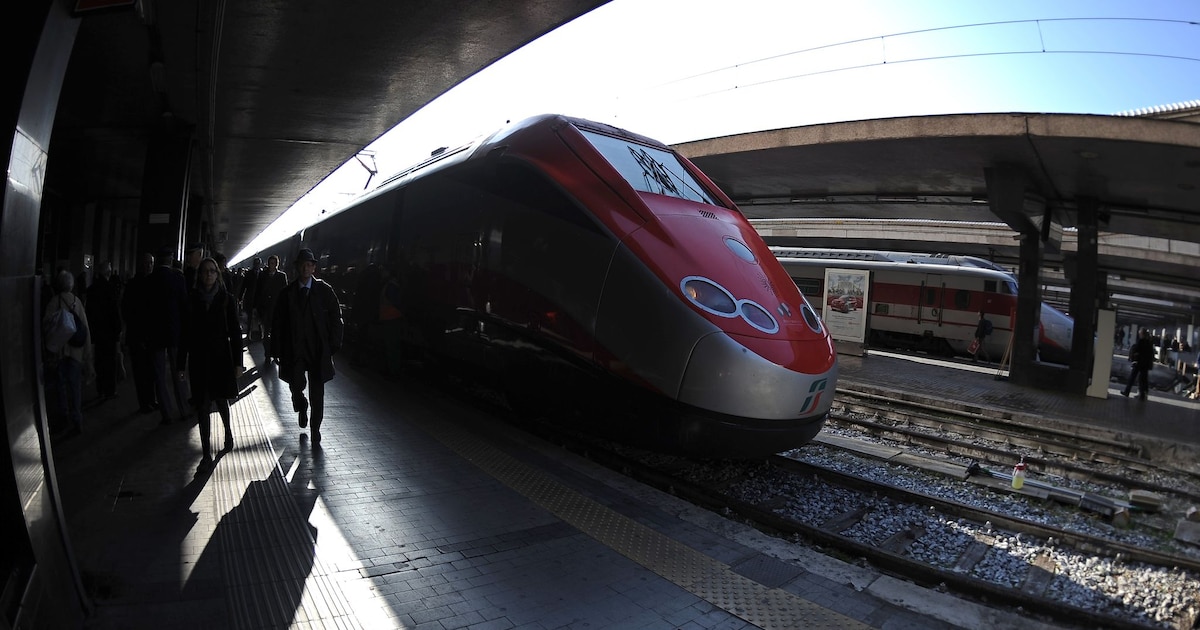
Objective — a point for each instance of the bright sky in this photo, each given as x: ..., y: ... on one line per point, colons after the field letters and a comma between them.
x: 681, y: 70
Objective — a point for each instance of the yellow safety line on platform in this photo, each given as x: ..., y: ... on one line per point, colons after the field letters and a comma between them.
x: 709, y: 579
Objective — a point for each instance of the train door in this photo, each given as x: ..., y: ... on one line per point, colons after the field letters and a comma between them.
x: 929, y: 305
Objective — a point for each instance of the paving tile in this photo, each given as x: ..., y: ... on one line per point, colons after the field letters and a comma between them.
x: 388, y: 526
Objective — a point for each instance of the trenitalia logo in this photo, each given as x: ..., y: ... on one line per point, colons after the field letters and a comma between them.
x: 814, y: 396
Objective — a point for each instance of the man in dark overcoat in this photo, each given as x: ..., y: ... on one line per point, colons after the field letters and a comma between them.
x: 167, y: 303
x: 270, y: 283
x: 137, y: 336
x: 246, y: 297
x: 307, y: 332
x: 1142, y: 356
x: 104, y: 316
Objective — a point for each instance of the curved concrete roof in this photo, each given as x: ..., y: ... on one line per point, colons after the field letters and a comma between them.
x: 272, y: 96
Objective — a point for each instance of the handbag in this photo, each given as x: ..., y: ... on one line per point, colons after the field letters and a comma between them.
x: 974, y: 347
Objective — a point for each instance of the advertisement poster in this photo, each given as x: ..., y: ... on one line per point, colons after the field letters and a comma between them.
x: 845, y: 311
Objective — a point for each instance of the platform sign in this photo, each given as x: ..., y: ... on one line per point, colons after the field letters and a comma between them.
x: 845, y: 304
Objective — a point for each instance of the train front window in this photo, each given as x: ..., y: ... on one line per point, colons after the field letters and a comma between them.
x: 649, y: 169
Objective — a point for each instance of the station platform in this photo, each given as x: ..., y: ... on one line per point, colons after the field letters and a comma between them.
x: 421, y: 511
x: 1166, y: 424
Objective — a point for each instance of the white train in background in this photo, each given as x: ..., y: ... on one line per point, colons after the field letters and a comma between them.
x: 929, y: 302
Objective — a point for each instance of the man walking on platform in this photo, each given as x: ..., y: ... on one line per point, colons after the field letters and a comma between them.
x: 167, y: 293
x: 104, y: 315
x: 306, y: 333
x: 1142, y: 356
x: 982, y: 330
x: 137, y: 336
x: 246, y: 298
x: 266, y: 291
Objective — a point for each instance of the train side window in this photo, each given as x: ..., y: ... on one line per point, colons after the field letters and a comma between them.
x: 962, y: 299
x: 930, y: 296
x: 989, y: 286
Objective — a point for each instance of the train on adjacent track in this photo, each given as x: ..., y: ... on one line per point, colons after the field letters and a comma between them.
x: 578, y: 265
x: 930, y: 302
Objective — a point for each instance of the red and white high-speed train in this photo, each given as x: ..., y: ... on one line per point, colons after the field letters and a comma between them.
x: 574, y: 261
x: 932, y: 302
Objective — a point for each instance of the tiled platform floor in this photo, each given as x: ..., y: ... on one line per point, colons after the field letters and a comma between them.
x: 420, y: 513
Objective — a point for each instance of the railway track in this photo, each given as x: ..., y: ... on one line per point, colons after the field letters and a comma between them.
x: 985, y: 554
x: 1090, y: 444
x: 1072, y: 567
x: 1092, y: 469
x: 995, y: 555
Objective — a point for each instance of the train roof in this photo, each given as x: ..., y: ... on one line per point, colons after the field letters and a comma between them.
x: 887, y: 258
x: 445, y: 155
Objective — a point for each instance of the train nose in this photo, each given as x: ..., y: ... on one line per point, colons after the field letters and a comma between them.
x: 723, y: 374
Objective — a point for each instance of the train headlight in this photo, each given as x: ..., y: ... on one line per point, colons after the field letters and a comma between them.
x: 810, y: 316
x: 758, y: 317
x: 709, y: 296
x: 716, y: 299
x: 740, y: 250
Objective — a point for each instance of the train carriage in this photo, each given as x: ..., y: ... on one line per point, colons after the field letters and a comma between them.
x: 932, y: 302
x: 576, y: 263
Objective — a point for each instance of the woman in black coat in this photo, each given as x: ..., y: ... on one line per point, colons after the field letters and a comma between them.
x: 210, y: 349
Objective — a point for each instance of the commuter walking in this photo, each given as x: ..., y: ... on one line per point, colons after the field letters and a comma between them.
x: 191, y: 262
x: 104, y: 315
x: 982, y: 330
x: 246, y: 297
x: 137, y: 337
x: 226, y: 274
x: 1142, y: 355
x: 307, y: 332
x: 71, y: 358
x: 168, y: 300
x: 211, y: 350
x: 271, y: 282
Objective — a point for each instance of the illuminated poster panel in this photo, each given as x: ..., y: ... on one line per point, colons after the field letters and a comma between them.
x: 845, y: 311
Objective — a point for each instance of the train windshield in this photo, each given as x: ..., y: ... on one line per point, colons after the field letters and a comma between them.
x: 649, y: 169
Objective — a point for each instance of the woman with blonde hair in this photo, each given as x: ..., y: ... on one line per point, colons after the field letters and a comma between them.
x: 210, y: 350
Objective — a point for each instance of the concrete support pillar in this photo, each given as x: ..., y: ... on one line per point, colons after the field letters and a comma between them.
x: 165, y: 181
x: 1007, y: 197
x: 42, y: 586
x: 1085, y: 292
x: 1106, y: 324
x: 1029, y: 302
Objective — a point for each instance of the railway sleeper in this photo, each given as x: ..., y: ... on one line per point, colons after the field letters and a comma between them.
x: 846, y: 520
x: 1041, y: 572
x: 973, y: 554
x: 901, y: 540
